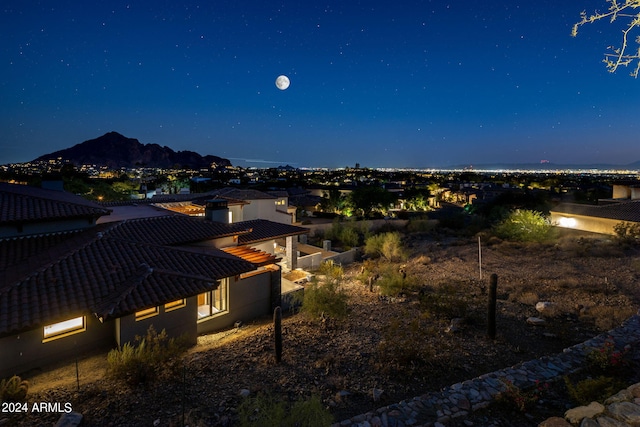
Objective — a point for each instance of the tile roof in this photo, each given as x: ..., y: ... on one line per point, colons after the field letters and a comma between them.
x: 623, y: 211
x: 21, y: 203
x: 241, y: 194
x: 262, y: 230
x: 111, y: 277
x: 117, y: 268
x: 174, y: 230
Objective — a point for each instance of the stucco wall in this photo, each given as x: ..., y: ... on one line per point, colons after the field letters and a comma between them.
x: 248, y: 298
x: 585, y: 223
x: 22, y: 352
x: 177, y: 322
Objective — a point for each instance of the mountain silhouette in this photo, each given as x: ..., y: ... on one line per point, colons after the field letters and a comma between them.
x: 115, y: 151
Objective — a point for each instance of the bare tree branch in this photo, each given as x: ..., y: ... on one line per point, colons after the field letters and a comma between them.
x: 620, y: 55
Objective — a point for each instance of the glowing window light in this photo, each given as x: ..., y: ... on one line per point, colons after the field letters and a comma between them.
x: 567, y: 222
x: 76, y: 324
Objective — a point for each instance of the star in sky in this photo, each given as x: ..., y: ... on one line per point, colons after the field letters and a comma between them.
x: 404, y: 84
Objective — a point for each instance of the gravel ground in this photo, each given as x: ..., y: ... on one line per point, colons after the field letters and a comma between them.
x: 400, y: 346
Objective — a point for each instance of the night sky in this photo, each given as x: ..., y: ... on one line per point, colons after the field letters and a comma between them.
x: 383, y: 84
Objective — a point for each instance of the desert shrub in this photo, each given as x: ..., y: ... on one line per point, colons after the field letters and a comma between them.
x: 421, y: 225
x: 606, y: 318
x: 527, y: 298
x: 386, y: 245
x: 13, y: 389
x: 627, y: 232
x: 326, y: 298
x: 142, y: 361
x: 524, y: 226
x: 593, y: 389
x: 444, y: 302
x: 349, y: 234
x: 606, y: 359
x: 392, y: 281
x: 521, y: 400
x: 264, y: 411
x: 404, y: 343
x: 309, y: 413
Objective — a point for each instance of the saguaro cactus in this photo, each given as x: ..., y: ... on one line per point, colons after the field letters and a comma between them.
x: 277, y: 333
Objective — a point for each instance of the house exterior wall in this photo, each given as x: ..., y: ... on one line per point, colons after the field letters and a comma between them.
x: 22, y: 352
x: 237, y: 213
x: 249, y: 298
x: 11, y: 230
x: 585, y: 223
x: 177, y: 322
x: 266, y: 209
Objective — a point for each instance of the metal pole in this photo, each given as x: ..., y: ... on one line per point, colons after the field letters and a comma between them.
x: 491, y: 312
x: 480, y: 257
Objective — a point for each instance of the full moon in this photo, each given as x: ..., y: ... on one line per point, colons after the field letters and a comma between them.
x: 282, y: 82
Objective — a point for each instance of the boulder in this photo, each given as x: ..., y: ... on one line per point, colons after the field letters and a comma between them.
x: 554, y: 422
x: 575, y: 415
x: 543, y: 306
x: 71, y: 419
x: 610, y: 422
x: 536, y: 321
x: 626, y: 412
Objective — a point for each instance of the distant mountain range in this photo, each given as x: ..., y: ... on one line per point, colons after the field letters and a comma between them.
x: 115, y: 151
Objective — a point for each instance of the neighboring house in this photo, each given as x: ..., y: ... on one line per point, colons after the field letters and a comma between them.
x: 78, y: 287
x: 595, y: 218
x: 243, y: 204
x: 624, y: 206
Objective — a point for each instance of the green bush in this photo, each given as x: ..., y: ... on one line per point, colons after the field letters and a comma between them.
x: 404, y: 344
x: 13, y: 389
x: 392, y: 281
x: 593, y: 389
x: 521, y: 400
x: 627, y: 233
x: 386, y: 245
x: 525, y: 226
x: 326, y: 298
x: 266, y: 411
x: 142, y: 361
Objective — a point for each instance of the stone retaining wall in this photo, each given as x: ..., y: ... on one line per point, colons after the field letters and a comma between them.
x: 462, y: 398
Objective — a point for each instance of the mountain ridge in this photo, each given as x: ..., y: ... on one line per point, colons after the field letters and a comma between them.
x: 115, y: 150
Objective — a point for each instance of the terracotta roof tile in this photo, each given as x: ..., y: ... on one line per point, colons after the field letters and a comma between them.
x: 174, y: 230
x: 21, y: 203
x: 107, y: 270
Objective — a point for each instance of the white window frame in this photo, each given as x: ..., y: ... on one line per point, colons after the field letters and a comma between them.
x: 64, y: 328
x: 214, y: 302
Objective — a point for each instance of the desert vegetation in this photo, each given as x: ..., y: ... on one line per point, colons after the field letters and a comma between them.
x: 407, y: 319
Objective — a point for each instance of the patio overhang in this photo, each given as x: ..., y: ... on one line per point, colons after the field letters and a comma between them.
x: 254, y: 256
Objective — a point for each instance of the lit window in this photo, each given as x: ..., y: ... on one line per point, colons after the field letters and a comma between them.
x: 213, y: 302
x: 68, y: 327
x: 145, y: 314
x: 174, y: 305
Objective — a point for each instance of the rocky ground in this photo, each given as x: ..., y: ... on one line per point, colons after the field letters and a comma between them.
x: 387, y: 349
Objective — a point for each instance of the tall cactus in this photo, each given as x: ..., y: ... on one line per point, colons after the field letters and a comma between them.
x: 277, y: 329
